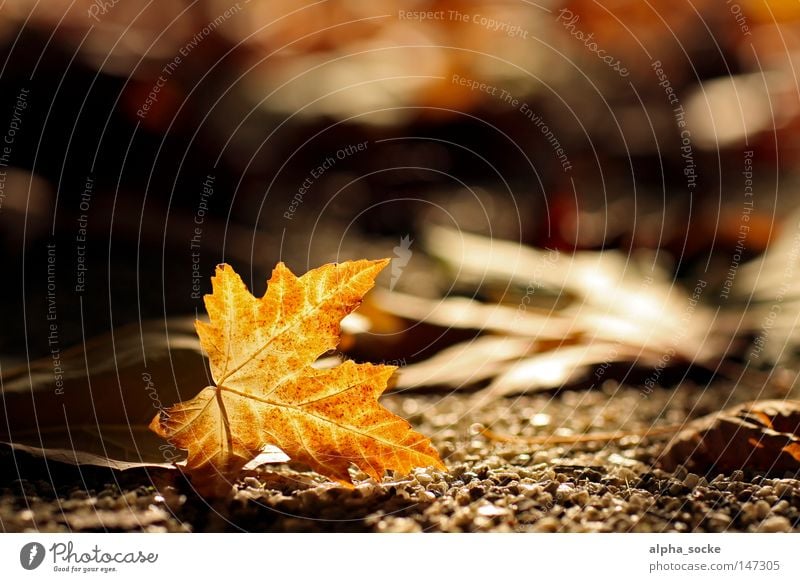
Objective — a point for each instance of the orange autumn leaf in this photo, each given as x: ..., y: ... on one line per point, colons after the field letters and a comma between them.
x: 267, y: 392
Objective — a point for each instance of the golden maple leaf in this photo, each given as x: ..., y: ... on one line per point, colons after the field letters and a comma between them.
x: 261, y: 353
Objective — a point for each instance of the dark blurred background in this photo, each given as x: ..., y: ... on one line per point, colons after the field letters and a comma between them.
x: 148, y: 141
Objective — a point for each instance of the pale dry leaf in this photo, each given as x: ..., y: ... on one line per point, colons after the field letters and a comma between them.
x: 557, y: 316
x: 94, y: 407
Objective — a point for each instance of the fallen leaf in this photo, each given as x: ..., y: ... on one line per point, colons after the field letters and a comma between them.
x: 558, y: 318
x: 92, y: 406
x: 464, y: 364
x: 267, y: 390
x: 562, y: 365
x: 762, y: 436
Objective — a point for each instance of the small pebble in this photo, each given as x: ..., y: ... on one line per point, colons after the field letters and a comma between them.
x: 547, y: 524
x: 775, y: 524
x: 762, y: 509
x: 691, y: 480
x: 581, y: 497
x: 489, y: 510
x: 781, y: 506
x: 675, y: 489
x: 253, y: 482
x: 423, y: 478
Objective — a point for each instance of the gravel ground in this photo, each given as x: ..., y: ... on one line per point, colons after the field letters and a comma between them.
x: 506, y: 487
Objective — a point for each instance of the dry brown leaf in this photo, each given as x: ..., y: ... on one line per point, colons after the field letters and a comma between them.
x: 261, y: 353
x: 762, y: 435
x: 95, y: 407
